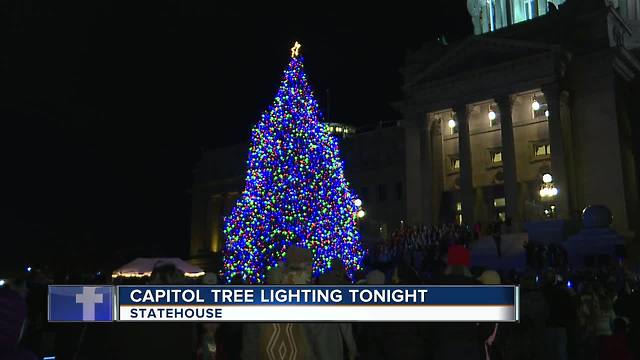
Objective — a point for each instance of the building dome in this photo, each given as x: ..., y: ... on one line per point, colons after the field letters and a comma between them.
x: 491, y: 15
x: 596, y: 216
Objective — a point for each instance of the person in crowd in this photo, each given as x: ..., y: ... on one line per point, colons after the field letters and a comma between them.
x: 626, y: 307
x: 266, y: 341
x: 459, y: 340
x: 497, y: 236
x: 13, y: 315
x: 492, y: 348
x: 525, y: 340
x: 370, y: 337
x: 332, y: 340
x: 477, y: 229
x: 561, y: 316
x: 616, y: 346
x: 207, y: 347
x: 175, y: 340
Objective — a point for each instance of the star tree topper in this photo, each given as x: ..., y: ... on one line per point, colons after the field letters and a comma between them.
x: 295, y: 50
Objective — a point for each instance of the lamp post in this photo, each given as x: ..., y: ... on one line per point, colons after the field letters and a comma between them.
x: 547, y: 193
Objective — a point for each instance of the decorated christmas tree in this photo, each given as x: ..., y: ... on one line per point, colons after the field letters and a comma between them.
x: 295, y: 191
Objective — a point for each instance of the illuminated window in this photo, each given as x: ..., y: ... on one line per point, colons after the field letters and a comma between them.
x: 496, y: 156
x: 454, y: 163
x: 529, y: 9
x: 491, y: 4
x: 542, y: 150
x: 458, y: 206
x: 499, y: 202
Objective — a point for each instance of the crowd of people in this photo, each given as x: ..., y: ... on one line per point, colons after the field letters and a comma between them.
x: 422, y: 247
x: 564, y: 314
x: 540, y: 256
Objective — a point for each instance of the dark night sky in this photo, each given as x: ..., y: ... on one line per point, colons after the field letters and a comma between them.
x: 105, y: 105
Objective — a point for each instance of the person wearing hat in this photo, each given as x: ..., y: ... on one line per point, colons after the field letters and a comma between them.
x: 490, y: 277
x: 330, y: 339
x: 459, y: 340
x: 263, y: 341
x: 458, y: 264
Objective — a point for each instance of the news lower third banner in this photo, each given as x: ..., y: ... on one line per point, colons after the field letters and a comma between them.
x: 283, y: 303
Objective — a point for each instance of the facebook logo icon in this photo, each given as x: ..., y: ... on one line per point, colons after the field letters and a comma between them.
x: 80, y: 303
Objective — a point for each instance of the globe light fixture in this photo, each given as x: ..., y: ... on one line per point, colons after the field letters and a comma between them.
x: 357, y: 202
x: 360, y: 214
x: 547, y: 178
x: 535, y: 105
x: 451, y: 123
x: 546, y: 113
x: 544, y: 192
x: 492, y: 115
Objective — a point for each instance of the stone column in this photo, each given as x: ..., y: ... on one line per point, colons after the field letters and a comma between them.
x: 558, y: 158
x: 427, y: 173
x: 509, y: 158
x: 437, y: 181
x: 214, y: 223
x: 414, y: 181
x: 466, y: 173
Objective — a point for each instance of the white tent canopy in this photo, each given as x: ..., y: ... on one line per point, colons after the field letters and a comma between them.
x: 141, y: 267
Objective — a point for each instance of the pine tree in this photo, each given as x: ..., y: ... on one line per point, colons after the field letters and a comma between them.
x: 295, y: 191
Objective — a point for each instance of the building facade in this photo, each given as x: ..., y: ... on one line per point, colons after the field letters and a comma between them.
x: 549, y: 95
x: 533, y: 117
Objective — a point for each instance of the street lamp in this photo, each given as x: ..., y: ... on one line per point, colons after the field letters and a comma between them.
x: 535, y: 105
x: 548, y: 190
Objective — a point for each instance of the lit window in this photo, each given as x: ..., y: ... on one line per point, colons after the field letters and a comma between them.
x: 499, y: 202
x: 455, y: 163
x: 458, y: 206
x: 496, y: 156
x: 542, y: 149
x: 529, y: 9
x: 491, y: 4
x: 522, y: 10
